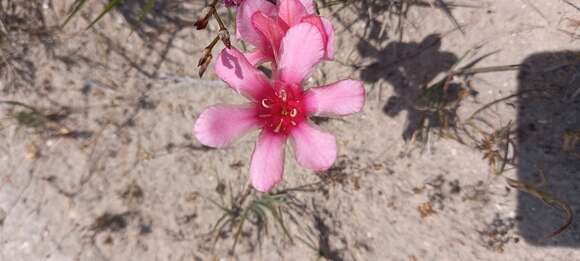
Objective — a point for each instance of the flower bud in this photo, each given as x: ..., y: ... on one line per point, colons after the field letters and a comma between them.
x: 204, y: 62
x: 202, y: 22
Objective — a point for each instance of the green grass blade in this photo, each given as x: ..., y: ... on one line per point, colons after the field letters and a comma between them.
x: 112, y: 4
x: 75, y: 8
x: 147, y: 8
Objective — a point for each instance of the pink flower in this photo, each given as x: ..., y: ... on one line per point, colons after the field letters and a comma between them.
x: 280, y: 108
x: 233, y: 2
x: 264, y: 24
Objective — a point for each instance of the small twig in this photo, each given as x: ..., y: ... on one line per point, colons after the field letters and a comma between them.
x: 205, y: 59
x: 443, y: 6
x: 498, y: 101
x: 223, y: 32
x: 507, y: 148
x: 572, y: 5
x: 17, y: 103
x: 223, y: 35
x: 547, y: 198
x: 536, y: 10
x: 487, y: 69
x: 245, y: 195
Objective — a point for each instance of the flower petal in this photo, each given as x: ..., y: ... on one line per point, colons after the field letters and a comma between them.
x: 273, y: 30
x: 327, y: 32
x: 244, y: 28
x: 218, y: 126
x: 340, y: 98
x: 329, y: 55
x: 267, y: 166
x: 314, y: 149
x: 291, y: 11
x: 233, y: 67
x: 309, y: 6
x: 258, y: 57
x: 302, y: 49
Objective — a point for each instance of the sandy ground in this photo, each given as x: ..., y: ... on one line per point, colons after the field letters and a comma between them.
x: 115, y: 174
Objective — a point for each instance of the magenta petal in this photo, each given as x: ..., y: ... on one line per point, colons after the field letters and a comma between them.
x: 329, y: 55
x: 230, y: 3
x: 218, y: 126
x: 340, y: 98
x: 244, y: 28
x: 309, y: 6
x: 233, y: 67
x: 267, y: 166
x: 327, y: 32
x: 314, y: 149
x: 273, y: 30
x: 258, y: 57
x: 302, y: 48
x: 291, y: 11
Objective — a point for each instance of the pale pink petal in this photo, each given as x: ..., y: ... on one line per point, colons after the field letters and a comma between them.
x: 313, y: 148
x: 329, y: 55
x: 291, y: 11
x: 273, y: 30
x: 309, y: 6
x: 244, y: 28
x: 340, y: 98
x: 233, y: 67
x: 267, y: 166
x: 327, y: 31
x: 218, y: 126
x: 302, y: 49
x: 258, y: 57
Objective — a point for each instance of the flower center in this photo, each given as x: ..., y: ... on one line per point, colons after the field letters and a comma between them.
x: 281, y: 110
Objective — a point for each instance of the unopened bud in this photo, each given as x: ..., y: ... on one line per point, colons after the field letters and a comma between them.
x: 202, y: 22
x: 206, y: 55
x: 204, y: 63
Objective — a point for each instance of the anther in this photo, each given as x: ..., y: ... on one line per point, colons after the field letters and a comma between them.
x: 293, y: 123
x: 293, y: 112
x: 284, y: 112
x: 267, y: 103
x: 283, y: 95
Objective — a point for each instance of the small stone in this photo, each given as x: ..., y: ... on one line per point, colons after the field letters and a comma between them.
x: 32, y: 152
x: 425, y: 209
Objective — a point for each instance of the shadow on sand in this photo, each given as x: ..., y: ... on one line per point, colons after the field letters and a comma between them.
x: 548, y: 123
x: 544, y: 122
x: 409, y: 68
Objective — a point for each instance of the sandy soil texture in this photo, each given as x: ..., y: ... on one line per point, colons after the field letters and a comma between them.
x: 98, y: 160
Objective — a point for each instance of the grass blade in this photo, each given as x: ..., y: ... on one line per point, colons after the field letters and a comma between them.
x: 147, y: 8
x: 75, y: 8
x: 112, y: 4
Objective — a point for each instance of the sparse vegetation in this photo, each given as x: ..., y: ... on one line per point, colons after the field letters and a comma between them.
x: 99, y: 96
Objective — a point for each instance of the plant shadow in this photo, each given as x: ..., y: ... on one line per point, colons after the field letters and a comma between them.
x: 159, y: 25
x: 409, y: 68
x: 22, y: 24
x: 163, y: 16
x: 548, y: 123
